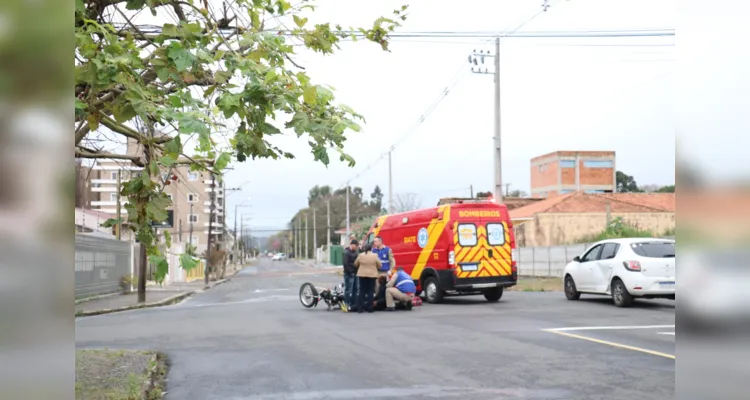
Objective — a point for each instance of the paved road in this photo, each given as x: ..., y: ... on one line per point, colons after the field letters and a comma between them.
x: 251, y: 339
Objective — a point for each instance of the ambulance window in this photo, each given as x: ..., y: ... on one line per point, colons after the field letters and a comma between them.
x: 370, y: 238
x: 467, y: 235
x: 496, y: 234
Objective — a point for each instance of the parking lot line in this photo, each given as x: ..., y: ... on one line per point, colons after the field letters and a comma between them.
x: 596, y: 328
x: 613, y: 344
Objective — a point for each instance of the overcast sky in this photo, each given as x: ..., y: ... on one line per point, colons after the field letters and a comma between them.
x: 557, y: 94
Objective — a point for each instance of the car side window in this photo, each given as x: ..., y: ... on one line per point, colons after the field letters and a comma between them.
x: 593, y: 254
x: 609, y: 251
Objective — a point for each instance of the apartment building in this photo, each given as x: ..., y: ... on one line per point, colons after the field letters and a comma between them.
x: 191, y: 196
x: 564, y: 172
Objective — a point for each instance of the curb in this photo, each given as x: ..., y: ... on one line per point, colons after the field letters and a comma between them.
x: 97, y: 297
x: 165, y: 302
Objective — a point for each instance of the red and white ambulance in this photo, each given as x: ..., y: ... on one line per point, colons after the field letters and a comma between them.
x: 461, y: 248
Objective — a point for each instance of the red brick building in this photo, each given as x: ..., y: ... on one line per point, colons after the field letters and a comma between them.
x: 564, y: 172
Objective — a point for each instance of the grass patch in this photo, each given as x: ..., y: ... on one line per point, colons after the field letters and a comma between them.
x: 537, y: 284
x: 618, y: 229
x: 119, y: 374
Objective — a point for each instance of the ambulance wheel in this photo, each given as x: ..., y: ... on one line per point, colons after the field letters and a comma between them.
x: 494, y: 294
x: 432, y: 290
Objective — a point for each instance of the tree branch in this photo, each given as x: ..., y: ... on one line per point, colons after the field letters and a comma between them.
x: 84, y: 154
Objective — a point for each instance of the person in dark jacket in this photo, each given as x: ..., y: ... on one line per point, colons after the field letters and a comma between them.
x: 350, y: 273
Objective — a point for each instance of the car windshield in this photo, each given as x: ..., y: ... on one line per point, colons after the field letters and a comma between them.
x: 654, y: 249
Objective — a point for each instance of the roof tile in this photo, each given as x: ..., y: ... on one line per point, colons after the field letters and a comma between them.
x: 580, y: 202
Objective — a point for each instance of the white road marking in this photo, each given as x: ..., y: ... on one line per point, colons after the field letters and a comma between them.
x: 666, y: 333
x: 596, y: 328
x: 269, y: 290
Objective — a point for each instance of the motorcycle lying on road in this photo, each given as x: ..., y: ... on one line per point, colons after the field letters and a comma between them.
x: 310, y: 296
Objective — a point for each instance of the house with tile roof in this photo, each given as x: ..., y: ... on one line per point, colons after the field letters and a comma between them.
x: 567, y: 218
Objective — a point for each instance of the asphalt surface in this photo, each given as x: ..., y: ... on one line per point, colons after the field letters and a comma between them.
x: 250, y: 338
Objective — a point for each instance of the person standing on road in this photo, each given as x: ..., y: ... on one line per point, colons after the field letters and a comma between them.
x: 385, y: 255
x: 350, y: 273
x: 367, y: 264
x: 400, y: 287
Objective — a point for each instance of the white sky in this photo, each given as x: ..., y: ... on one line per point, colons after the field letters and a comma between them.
x: 556, y: 95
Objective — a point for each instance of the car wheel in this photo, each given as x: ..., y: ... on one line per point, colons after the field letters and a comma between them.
x: 620, y: 295
x: 494, y: 294
x: 571, y: 293
x: 432, y: 290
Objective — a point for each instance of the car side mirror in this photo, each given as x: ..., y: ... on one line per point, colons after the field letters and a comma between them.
x: 577, y: 259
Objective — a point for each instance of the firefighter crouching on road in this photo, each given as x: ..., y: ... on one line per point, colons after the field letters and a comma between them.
x: 400, y: 287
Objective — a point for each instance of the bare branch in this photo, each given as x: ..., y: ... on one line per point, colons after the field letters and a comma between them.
x: 84, y: 154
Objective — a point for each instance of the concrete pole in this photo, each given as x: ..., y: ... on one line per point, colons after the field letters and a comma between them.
x: 390, y: 182
x: 315, y: 235
x: 307, y: 243
x: 348, y: 225
x: 498, y: 154
x: 328, y: 227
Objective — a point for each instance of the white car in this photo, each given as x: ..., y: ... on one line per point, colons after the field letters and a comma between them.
x: 279, y: 257
x: 624, y: 269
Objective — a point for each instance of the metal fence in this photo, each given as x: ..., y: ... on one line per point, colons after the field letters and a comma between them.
x: 546, y: 261
x: 549, y: 261
x: 100, y: 263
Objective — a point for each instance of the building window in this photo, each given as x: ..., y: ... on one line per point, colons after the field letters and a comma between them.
x: 542, y: 167
x: 598, y: 164
x: 193, y: 176
x: 567, y: 163
x: 194, y: 240
x: 170, y: 197
x: 114, y: 175
x: 193, y: 218
x: 566, y: 191
x: 594, y: 191
x: 113, y: 197
x: 192, y: 197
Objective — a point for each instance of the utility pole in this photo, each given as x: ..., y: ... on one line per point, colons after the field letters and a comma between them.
x: 471, y: 191
x: 507, y: 189
x: 307, y: 248
x: 498, y: 153
x: 315, y: 235
x: 477, y: 58
x: 328, y: 227
x: 210, y: 229
x: 190, y: 217
x: 118, y: 227
x: 390, y: 182
x: 348, y: 225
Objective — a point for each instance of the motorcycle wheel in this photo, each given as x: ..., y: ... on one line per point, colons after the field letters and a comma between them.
x: 308, y: 295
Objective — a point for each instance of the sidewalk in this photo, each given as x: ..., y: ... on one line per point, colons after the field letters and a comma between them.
x: 155, y: 296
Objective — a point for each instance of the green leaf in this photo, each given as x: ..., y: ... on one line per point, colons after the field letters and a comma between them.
x: 168, y: 238
x: 123, y: 112
x: 310, y: 95
x: 162, y: 73
x: 170, y: 30
x: 167, y: 161
x: 111, y: 222
x: 187, y: 262
x: 135, y: 4
x: 158, y: 214
x: 222, y: 161
x: 222, y: 76
x: 175, y: 101
x: 153, y: 168
x: 300, y: 21
x: 161, y: 267
x: 181, y: 57
x: 269, y: 129
x: 173, y: 146
x: 145, y: 178
x: 254, y: 19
